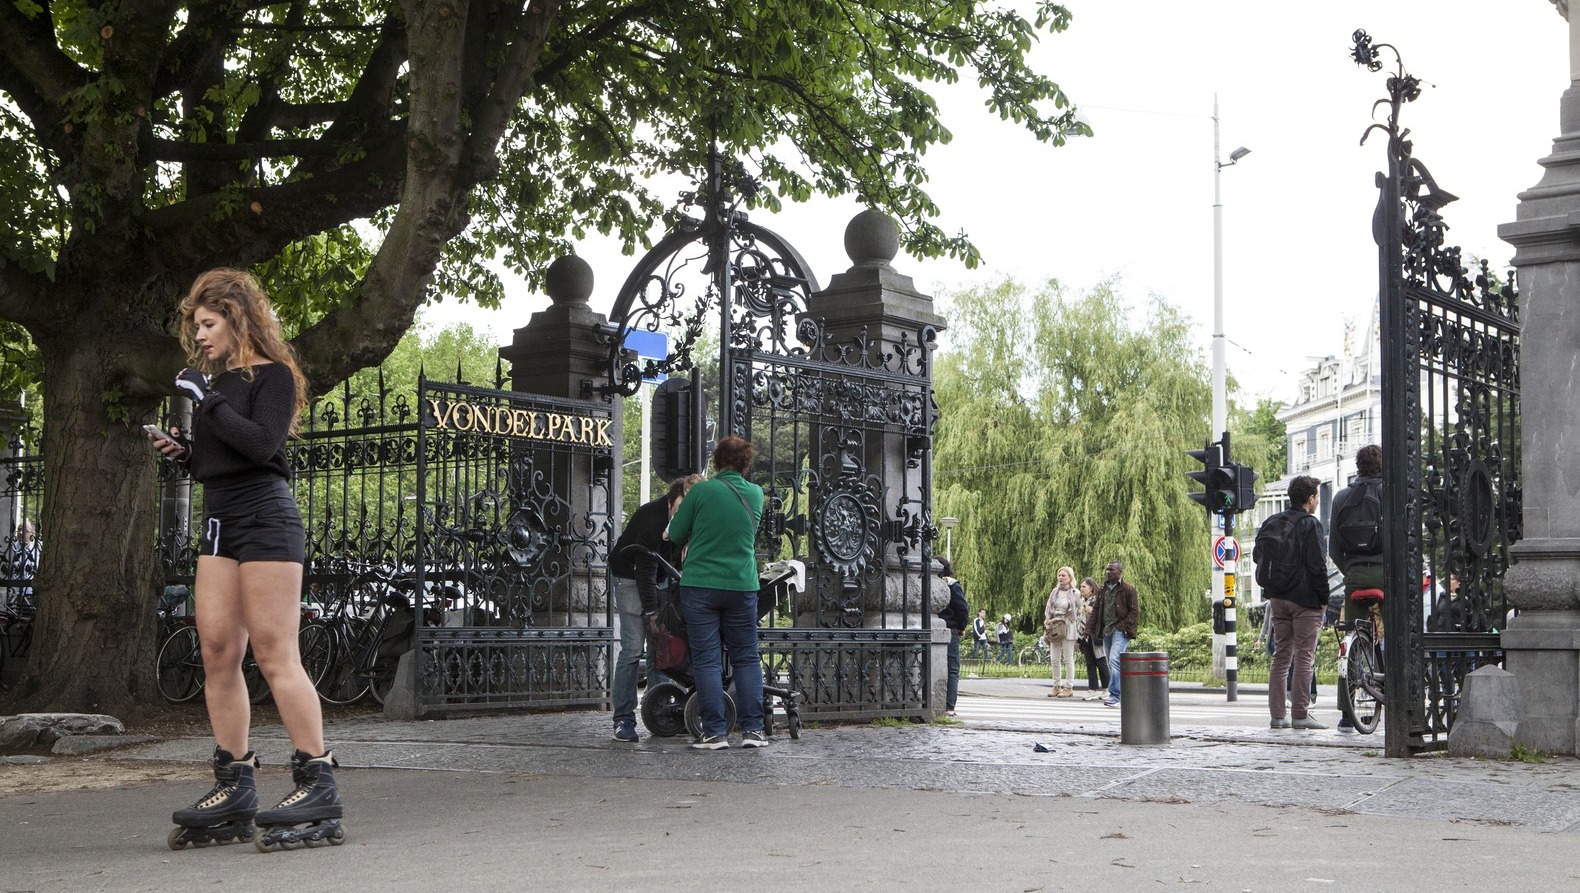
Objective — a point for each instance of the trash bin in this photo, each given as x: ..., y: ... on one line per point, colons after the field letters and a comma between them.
x: 1144, y: 697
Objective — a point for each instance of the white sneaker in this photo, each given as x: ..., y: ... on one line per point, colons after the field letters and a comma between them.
x: 753, y: 739
x: 715, y: 742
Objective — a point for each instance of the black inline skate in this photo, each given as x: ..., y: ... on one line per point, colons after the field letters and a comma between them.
x: 225, y: 814
x: 309, y: 815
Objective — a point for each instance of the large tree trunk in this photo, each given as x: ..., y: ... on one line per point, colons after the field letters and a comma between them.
x: 99, y: 577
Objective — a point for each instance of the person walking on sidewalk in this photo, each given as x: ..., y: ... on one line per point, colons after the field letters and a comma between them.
x: 979, y: 633
x: 1091, y: 642
x: 247, y: 394
x: 636, y: 580
x: 1006, y: 641
x: 1061, y: 626
x: 954, y: 616
x: 1293, y: 575
x: 1118, y: 611
x: 717, y: 523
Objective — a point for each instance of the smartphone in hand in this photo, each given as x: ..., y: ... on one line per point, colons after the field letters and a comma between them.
x: 157, y: 433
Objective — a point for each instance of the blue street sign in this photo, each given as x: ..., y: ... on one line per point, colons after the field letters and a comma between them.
x: 648, y: 346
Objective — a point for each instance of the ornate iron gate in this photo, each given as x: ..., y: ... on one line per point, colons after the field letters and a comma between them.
x: 514, y: 494
x: 841, y: 421
x: 1450, y: 385
x: 483, y: 511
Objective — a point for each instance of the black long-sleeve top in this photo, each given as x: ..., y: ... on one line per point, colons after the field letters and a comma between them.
x: 646, y: 528
x: 238, y: 435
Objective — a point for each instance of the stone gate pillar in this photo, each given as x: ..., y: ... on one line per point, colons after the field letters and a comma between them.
x: 872, y: 300
x: 1542, y: 645
x: 560, y: 353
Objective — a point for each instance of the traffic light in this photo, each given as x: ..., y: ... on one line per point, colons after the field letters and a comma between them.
x: 677, y: 428
x: 1245, y: 489
x: 1210, y: 456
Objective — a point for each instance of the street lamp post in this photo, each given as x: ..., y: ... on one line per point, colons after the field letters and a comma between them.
x: 948, y: 524
x: 1222, y: 523
x: 1219, y: 400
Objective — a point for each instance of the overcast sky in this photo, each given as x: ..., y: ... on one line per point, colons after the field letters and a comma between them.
x: 1135, y: 201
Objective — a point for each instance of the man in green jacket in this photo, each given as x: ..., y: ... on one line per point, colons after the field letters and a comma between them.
x: 717, y: 523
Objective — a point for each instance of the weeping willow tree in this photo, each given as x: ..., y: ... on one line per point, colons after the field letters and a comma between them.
x: 1063, y: 424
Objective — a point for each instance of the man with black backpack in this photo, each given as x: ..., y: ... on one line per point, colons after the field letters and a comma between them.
x: 1294, y: 576
x: 1356, y: 544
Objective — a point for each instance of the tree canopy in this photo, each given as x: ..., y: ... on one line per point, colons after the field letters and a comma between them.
x: 364, y: 157
x: 1063, y: 421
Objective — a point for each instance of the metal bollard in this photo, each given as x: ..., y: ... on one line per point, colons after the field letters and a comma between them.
x: 1144, y: 697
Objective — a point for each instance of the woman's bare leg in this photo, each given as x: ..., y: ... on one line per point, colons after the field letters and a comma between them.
x: 272, y: 596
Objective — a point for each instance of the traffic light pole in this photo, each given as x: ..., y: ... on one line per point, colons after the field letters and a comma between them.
x: 1231, y: 648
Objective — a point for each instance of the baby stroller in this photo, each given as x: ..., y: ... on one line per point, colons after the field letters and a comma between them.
x: 669, y: 708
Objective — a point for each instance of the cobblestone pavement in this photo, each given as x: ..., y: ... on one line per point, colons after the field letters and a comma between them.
x: 1205, y: 764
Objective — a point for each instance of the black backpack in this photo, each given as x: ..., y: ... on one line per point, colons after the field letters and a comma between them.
x: 1278, y: 568
x: 1358, y: 525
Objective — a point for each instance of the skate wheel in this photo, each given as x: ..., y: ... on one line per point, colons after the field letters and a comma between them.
x: 175, y: 840
x: 337, y: 837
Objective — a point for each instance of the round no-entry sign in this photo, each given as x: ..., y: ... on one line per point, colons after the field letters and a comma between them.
x: 1225, y: 550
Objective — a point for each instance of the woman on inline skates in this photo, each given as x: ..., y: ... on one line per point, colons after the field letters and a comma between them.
x: 247, y: 393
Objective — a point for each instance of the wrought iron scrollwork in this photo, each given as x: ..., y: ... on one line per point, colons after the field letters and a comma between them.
x: 1450, y: 433
x: 718, y: 256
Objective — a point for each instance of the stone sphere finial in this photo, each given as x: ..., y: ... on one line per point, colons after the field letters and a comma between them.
x: 872, y: 239
x: 569, y: 280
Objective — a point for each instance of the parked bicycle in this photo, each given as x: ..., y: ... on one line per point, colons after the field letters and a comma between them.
x: 1035, y: 655
x: 355, y: 648
x: 178, y: 666
x: 1361, y: 663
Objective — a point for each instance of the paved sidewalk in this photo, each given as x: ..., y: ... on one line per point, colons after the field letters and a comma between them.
x: 1321, y: 770
x: 548, y: 801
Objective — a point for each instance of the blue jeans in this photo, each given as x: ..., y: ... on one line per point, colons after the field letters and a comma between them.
x: 730, y: 615
x: 954, y: 670
x: 1116, y: 643
x: 633, y: 641
x: 979, y: 649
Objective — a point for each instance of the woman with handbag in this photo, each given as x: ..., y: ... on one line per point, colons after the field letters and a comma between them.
x: 1061, y: 627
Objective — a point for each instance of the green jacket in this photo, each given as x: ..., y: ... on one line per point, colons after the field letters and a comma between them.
x: 720, y: 538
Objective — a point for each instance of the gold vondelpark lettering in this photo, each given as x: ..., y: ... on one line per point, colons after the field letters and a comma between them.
x: 532, y: 424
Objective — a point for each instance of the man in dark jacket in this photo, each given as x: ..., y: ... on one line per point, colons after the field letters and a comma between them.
x: 1116, y: 613
x: 1297, y: 612
x: 955, y: 616
x: 1361, y: 570
x: 637, y: 579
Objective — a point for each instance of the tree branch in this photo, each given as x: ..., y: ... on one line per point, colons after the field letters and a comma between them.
x: 203, y: 232
x: 19, y: 291
x: 181, y: 150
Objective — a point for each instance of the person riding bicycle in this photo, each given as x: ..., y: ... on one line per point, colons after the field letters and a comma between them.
x: 1356, y: 543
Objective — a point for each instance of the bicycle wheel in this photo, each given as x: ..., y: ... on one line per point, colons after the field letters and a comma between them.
x: 1356, y: 700
x: 252, y: 674
x: 179, y: 667
x: 317, y: 646
x: 341, y: 683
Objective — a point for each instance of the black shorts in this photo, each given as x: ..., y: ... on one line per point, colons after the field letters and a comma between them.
x: 253, y: 522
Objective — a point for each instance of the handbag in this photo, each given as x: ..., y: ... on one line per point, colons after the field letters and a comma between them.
x: 1053, y: 630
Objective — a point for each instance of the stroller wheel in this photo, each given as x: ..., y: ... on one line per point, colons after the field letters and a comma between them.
x: 664, y: 709
x: 793, y: 721
x: 694, y: 714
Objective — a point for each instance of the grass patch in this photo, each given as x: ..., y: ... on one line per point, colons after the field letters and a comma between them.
x: 943, y: 719
x: 891, y: 722
x: 1526, y: 755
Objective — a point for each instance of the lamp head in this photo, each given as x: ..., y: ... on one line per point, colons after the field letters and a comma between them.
x: 1238, y: 154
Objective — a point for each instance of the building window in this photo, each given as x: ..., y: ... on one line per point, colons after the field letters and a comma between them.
x: 1325, y: 444
x: 1355, y: 433
x: 1297, y: 454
